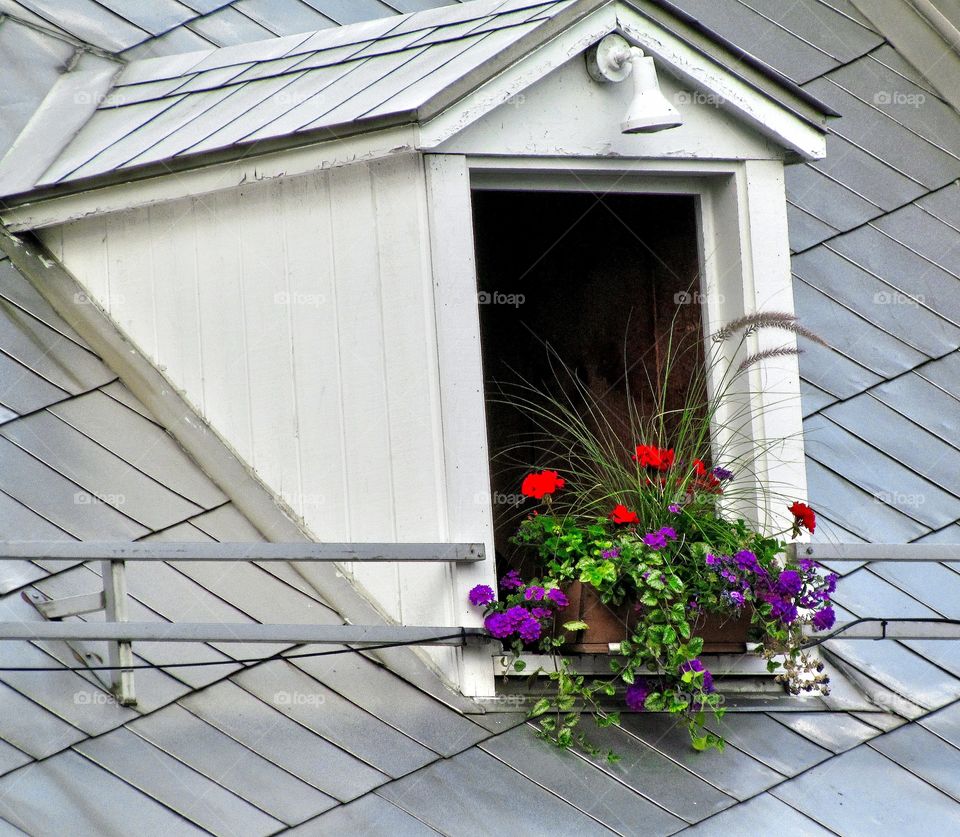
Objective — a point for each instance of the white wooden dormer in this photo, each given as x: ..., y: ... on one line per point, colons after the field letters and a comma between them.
x: 318, y: 305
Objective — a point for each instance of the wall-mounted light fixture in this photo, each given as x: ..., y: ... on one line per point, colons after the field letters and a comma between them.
x: 612, y: 60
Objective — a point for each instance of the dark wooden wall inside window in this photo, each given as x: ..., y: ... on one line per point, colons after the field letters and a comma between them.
x: 599, y: 279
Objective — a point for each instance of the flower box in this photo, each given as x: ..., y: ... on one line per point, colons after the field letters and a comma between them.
x: 608, y: 625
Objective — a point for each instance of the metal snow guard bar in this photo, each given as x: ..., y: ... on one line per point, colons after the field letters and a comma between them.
x: 119, y: 633
x: 881, y: 553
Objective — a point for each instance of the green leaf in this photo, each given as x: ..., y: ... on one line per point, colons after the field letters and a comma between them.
x: 773, y: 665
x: 627, y: 676
x: 519, y: 665
x: 669, y: 635
x: 565, y: 737
x: 700, y: 743
x: 541, y: 706
x: 696, y: 646
x: 576, y: 625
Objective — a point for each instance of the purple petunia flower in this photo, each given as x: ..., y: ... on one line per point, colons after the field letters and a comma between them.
x: 534, y: 593
x: 558, y: 597
x: 481, y: 595
x: 824, y: 619
x: 722, y: 474
x: 610, y: 554
x: 541, y: 612
x: 784, y: 611
x: 712, y: 560
x: 831, y: 582
x: 530, y: 630
x: 655, y: 540
x: 697, y: 666
x: 746, y: 560
x: 517, y: 615
x: 673, y: 508
x: 789, y: 583
x: 736, y: 597
x: 511, y: 581
x: 637, y: 695
x: 498, y: 625
x: 669, y: 533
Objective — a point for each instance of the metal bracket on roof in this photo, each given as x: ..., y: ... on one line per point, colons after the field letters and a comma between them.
x: 113, y: 602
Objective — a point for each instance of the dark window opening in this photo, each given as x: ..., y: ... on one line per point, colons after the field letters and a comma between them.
x: 599, y: 280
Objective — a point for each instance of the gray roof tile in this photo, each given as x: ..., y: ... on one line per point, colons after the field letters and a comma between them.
x: 869, y: 128
x: 731, y: 771
x: 32, y: 729
x: 100, y: 475
x: 836, y: 731
x: 141, y: 443
x: 222, y: 759
x: 842, y: 795
x: 465, y: 795
x: 874, y: 471
x: 776, y: 45
x: 852, y: 336
x: 655, y: 776
x: 827, y: 200
x: 878, y: 181
x: 383, y: 695
x: 756, y: 816
x: 270, y: 733
x: 66, y: 794
x: 370, y: 815
x: 876, y: 301
x: 182, y: 789
x: 757, y: 734
x: 924, y: 754
x: 906, y: 441
x: 858, y: 510
x: 581, y: 784
x: 341, y: 722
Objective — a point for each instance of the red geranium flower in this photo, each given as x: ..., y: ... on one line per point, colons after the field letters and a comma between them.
x: 538, y: 485
x: 803, y: 516
x: 621, y: 515
x: 699, y: 468
x: 650, y: 456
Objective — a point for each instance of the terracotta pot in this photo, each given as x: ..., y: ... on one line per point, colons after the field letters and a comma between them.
x: 607, y: 624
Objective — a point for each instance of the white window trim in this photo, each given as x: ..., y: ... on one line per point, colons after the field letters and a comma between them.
x: 745, y: 267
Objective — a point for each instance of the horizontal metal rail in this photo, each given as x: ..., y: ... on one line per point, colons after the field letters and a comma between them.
x: 877, y: 551
x: 121, y: 634
x: 239, y: 632
x: 456, y: 553
x: 877, y: 628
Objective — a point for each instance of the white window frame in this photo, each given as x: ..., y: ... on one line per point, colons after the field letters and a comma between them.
x: 745, y: 267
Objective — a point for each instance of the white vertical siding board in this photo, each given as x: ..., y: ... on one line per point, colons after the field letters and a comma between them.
x: 84, y: 248
x: 130, y: 277
x: 258, y: 236
x: 226, y: 393
x: 173, y: 256
x: 412, y: 388
x: 466, y: 460
x: 315, y: 346
x: 775, y: 382
x: 364, y: 396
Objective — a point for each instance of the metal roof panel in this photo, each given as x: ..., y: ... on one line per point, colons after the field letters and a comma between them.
x: 268, y: 732
x: 174, y: 784
x: 219, y: 757
x: 66, y: 795
x: 861, y: 791
x: 580, y: 783
x: 371, y: 815
x: 464, y: 795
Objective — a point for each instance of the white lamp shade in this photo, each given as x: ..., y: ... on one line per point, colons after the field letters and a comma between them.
x: 649, y: 110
